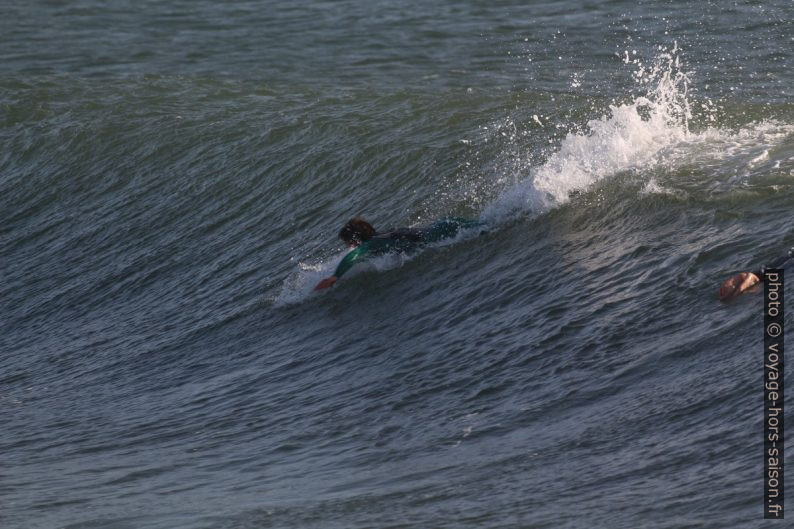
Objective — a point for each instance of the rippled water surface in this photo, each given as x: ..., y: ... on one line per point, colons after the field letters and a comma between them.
x: 172, y: 179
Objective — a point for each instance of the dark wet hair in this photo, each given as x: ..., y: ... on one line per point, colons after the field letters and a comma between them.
x: 356, y: 231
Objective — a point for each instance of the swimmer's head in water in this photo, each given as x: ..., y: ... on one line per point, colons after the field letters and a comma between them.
x: 356, y: 231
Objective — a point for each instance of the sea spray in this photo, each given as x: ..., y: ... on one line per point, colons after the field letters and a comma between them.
x: 628, y: 137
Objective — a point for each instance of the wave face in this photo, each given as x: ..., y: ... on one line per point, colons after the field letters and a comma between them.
x: 171, y: 185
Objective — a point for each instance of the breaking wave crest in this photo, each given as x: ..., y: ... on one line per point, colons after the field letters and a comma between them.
x: 648, y: 132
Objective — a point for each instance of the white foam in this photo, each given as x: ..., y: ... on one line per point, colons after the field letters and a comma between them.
x: 629, y: 136
x: 652, y: 187
x: 300, y: 285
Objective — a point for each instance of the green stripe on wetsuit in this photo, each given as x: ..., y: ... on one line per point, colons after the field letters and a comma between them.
x: 405, y: 240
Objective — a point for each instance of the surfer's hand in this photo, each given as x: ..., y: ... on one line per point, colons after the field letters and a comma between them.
x: 738, y: 284
x: 325, y: 283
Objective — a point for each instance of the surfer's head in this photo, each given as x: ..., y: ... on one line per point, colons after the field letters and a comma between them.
x: 356, y: 231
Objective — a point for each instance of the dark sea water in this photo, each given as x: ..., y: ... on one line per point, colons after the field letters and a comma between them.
x: 172, y: 179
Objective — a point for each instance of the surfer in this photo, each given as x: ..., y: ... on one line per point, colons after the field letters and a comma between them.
x: 365, y: 242
x: 748, y: 281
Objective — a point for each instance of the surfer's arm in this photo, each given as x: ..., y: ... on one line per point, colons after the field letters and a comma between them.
x: 350, y: 259
x: 347, y: 262
x: 744, y: 281
x: 739, y: 284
